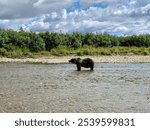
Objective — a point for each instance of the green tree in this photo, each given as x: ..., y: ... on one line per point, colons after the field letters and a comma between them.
x: 106, y: 42
x: 36, y: 43
x: 4, y: 39
x: 75, y: 40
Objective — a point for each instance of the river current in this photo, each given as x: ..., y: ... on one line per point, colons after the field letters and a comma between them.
x: 111, y: 87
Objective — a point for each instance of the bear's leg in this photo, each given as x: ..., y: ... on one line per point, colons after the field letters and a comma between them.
x: 92, y: 68
x: 78, y: 67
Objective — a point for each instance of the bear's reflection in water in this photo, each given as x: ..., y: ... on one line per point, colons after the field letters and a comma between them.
x: 60, y: 88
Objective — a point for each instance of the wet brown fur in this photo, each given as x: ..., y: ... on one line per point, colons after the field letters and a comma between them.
x: 87, y: 63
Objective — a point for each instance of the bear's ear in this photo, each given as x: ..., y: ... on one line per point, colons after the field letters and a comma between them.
x: 70, y: 60
x: 79, y: 58
x: 73, y: 60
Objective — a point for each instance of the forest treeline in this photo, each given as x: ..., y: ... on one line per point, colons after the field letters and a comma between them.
x: 46, y: 41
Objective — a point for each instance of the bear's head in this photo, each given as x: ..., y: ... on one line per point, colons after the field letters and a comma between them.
x: 73, y: 60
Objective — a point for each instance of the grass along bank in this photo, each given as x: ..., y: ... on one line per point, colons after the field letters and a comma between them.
x: 15, y: 52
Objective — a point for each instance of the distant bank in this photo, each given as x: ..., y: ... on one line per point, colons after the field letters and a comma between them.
x: 64, y: 59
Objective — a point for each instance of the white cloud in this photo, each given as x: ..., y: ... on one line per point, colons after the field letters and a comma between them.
x: 17, y: 9
x: 98, y: 1
x: 51, y: 4
x: 117, y: 20
x: 11, y: 9
x: 119, y: 16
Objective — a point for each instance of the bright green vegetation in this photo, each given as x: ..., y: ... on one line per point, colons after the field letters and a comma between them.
x: 18, y: 44
x: 86, y: 50
x: 93, y: 51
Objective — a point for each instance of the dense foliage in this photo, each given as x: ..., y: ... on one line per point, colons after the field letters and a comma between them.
x: 11, y: 40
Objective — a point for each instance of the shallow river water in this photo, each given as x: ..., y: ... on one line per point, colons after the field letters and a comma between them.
x: 111, y: 87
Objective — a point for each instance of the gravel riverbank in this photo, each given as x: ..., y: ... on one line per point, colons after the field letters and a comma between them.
x: 64, y: 59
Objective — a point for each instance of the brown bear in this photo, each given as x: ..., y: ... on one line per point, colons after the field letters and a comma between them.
x: 87, y: 63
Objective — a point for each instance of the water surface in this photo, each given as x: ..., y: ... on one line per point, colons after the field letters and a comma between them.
x: 111, y: 87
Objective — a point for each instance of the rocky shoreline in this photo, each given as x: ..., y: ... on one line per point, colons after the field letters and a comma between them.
x: 64, y: 59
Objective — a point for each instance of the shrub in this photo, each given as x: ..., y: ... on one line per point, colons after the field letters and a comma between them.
x: 3, y: 52
x: 60, y: 51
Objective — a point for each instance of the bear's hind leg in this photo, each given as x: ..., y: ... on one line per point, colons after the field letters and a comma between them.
x: 78, y: 67
x: 92, y: 68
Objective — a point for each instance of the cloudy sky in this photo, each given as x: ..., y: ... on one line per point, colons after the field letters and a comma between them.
x: 119, y: 17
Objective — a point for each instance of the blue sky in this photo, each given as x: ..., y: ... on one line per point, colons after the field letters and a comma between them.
x: 121, y: 17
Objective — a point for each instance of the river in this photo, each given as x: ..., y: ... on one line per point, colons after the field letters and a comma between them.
x: 57, y: 88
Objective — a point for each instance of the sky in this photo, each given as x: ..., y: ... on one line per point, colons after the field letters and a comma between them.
x: 116, y: 17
